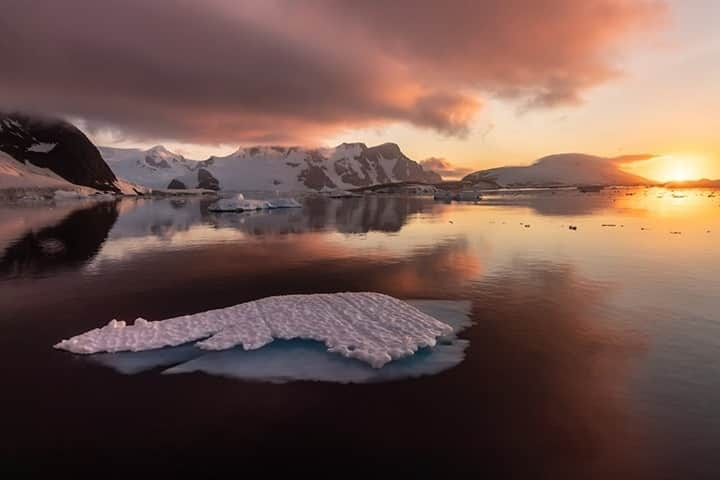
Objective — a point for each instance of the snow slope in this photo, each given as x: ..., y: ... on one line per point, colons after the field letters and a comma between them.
x: 371, y: 327
x: 565, y: 169
x: 272, y: 168
x: 27, y: 178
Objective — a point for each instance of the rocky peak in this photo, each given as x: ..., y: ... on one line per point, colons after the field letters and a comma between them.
x: 57, y: 145
x: 387, y: 150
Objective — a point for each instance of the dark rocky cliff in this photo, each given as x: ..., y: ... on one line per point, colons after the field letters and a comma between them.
x: 58, y: 146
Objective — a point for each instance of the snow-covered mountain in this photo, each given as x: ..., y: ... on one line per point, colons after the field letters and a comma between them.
x: 270, y: 168
x: 564, y: 169
x: 56, y: 146
x: 154, y: 168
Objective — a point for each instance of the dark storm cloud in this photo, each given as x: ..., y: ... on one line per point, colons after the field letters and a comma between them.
x: 276, y: 70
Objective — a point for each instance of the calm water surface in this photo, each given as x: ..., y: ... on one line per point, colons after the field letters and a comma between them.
x: 595, y: 353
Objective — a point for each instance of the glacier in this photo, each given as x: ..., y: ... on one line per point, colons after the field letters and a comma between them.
x: 366, y: 326
x: 303, y: 360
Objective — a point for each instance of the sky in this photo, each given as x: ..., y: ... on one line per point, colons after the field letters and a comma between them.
x: 460, y: 85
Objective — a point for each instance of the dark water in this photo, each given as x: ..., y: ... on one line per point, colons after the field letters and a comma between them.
x: 595, y: 353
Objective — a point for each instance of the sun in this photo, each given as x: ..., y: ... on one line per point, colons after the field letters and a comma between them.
x: 676, y: 168
x: 680, y: 171
x: 669, y: 167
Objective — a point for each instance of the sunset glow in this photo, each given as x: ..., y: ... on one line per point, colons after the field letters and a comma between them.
x: 679, y: 169
x: 672, y: 168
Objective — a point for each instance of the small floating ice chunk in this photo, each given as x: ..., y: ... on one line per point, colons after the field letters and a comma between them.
x: 284, y: 203
x: 371, y: 327
x: 238, y: 204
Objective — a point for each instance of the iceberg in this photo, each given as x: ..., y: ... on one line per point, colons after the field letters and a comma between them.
x: 240, y: 204
x: 366, y: 326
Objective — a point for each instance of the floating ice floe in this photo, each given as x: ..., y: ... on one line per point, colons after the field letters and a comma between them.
x: 296, y: 360
x: 370, y: 327
x: 240, y: 204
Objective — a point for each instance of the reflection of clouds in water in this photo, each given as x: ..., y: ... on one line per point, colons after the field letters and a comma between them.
x: 284, y: 361
x: 169, y: 283
x: 550, y: 330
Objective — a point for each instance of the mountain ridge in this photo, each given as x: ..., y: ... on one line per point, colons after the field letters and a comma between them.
x: 349, y: 165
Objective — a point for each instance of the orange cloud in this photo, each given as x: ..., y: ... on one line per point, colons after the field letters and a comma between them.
x: 444, y: 168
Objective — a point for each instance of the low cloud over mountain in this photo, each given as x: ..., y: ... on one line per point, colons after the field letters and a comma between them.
x: 444, y: 168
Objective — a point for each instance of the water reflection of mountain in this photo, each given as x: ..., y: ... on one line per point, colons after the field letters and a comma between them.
x: 356, y: 215
x: 362, y: 215
x: 157, y: 217
x: 72, y: 242
x: 163, y: 218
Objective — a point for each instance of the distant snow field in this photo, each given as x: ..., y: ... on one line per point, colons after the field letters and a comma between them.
x: 379, y: 330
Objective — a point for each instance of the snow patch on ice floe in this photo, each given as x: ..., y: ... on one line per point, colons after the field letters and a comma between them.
x: 371, y: 327
x: 304, y: 360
